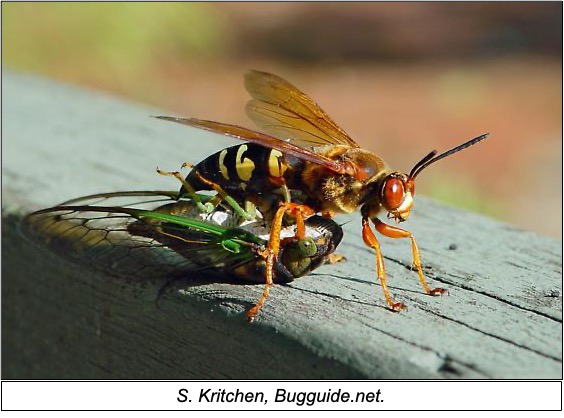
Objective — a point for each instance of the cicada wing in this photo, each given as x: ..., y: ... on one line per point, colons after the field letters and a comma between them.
x: 103, y: 241
x: 118, y: 241
x: 141, y: 199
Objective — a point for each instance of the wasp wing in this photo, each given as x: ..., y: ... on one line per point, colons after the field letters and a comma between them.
x: 133, y: 241
x: 262, y: 139
x: 282, y: 110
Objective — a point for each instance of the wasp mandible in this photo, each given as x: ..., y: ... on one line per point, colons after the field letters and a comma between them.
x: 303, y: 159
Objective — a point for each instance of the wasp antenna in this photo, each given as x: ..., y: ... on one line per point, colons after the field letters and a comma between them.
x: 430, y: 158
x: 421, y: 162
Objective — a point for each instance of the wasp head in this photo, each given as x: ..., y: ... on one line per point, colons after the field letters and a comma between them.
x: 395, y: 191
x: 396, y: 194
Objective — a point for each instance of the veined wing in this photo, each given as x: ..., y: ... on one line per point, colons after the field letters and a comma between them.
x: 282, y: 110
x: 297, y: 150
x: 135, y: 242
x: 140, y: 199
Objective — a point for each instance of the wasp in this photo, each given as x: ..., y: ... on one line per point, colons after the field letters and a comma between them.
x: 149, y: 234
x: 302, y: 159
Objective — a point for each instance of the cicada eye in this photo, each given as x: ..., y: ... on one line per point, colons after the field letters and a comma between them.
x: 306, y: 247
x: 394, y: 193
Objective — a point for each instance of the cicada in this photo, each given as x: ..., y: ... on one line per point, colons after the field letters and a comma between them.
x: 303, y: 160
x: 157, y: 234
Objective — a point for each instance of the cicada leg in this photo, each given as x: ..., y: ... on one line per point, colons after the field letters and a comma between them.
x: 335, y: 258
x: 206, y: 208
x: 395, y: 232
x: 299, y: 212
x: 371, y: 241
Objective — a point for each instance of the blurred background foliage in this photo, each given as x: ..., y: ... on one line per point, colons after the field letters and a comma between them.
x: 402, y: 78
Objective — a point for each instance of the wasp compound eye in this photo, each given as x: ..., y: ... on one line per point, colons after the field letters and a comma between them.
x: 394, y: 193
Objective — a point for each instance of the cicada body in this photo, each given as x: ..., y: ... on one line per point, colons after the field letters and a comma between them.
x: 156, y: 234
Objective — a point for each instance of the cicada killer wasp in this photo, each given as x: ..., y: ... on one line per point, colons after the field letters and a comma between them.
x: 305, y: 160
x: 157, y: 234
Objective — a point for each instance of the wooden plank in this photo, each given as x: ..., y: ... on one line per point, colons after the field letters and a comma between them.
x: 502, y: 317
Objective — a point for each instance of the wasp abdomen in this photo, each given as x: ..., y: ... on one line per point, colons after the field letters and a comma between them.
x: 242, y: 168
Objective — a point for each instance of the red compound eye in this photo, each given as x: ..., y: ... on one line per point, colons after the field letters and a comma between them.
x: 393, y: 193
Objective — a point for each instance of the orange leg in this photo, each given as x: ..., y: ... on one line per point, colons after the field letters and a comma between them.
x: 395, y: 232
x: 273, y: 247
x: 370, y: 240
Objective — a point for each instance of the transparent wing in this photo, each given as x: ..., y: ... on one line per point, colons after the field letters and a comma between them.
x: 282, y: 110
x: 118, y: 240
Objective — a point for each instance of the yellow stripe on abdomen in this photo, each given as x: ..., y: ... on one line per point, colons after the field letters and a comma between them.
x: 276, y: 168
x: 222, y: 166
x: 244, y: 166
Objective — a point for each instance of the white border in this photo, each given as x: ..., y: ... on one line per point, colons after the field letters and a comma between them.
x: 394, y: 395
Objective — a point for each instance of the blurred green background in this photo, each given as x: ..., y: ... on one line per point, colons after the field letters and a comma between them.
x: 401, y: 78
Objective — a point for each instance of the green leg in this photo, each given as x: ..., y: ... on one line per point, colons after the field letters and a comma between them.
x: 203, y: 207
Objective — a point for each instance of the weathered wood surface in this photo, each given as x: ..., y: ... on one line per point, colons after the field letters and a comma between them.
x: 502, y: 317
